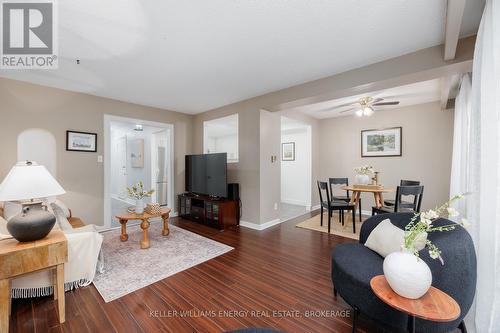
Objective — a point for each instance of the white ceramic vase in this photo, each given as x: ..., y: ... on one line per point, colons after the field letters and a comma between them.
x: 407, y: 275
x: 139, y: 206
x: 362, y: 179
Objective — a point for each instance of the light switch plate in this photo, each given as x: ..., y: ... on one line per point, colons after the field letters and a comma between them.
x: 99, y: 159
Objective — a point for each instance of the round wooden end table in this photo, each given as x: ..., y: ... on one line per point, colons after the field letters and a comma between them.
x: 144, y: 218
x: 435, y: 305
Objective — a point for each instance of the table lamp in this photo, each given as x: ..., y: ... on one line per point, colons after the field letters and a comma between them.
x: 27, y: 183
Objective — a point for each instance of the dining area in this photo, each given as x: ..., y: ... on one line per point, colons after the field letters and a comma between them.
x: 338, y: 196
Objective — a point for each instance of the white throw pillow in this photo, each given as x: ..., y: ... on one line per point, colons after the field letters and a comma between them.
x: 4, y: 233
x: 61, y: 218
x: 385, y: 239
x: 64, y: 208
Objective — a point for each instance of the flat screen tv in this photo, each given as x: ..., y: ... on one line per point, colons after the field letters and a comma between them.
x: 207, y: 174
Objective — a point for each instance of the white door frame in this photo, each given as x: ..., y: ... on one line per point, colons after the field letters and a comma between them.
x: 108, y: 119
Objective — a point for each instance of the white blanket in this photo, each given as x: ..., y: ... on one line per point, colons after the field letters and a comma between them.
x: 84, y: 247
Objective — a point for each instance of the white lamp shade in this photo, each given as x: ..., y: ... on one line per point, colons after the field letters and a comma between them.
x: 28, y: 180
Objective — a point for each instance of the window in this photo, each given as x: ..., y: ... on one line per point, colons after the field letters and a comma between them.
x: 221, y: 136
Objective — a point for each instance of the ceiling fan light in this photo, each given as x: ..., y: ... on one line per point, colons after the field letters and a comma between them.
x: 359, y: 113
x: 367, y: 111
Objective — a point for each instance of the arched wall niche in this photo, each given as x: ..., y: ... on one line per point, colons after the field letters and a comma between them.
x: 39, y: 145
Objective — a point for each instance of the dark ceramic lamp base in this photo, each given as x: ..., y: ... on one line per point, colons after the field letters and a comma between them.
x: 33, y: 223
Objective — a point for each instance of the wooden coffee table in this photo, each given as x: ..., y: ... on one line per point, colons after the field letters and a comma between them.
x: 144, y: 218
x: 435, y: 305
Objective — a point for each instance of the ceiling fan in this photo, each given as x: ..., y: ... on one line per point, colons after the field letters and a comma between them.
x: 364, y: 106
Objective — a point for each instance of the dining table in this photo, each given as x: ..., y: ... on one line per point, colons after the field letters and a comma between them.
x: 377, y: 194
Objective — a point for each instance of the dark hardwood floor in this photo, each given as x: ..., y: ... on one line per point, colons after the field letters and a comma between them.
x: 271, y: 279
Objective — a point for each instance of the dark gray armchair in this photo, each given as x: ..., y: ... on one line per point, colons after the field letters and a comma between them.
x: 354, y: 265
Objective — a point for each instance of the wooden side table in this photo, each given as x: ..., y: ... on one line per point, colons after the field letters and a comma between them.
x: 435, y: 305
x: 144, y: 218
x: 19, y: 258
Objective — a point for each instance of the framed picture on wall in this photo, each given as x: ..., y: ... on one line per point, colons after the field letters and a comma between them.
x: 288, y: 151
x: 137, y: 153
x: 381, y: 142
x: 81, y: 141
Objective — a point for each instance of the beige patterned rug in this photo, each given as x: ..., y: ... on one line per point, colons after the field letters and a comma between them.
x: 336, y: 227
x: 128, y: 268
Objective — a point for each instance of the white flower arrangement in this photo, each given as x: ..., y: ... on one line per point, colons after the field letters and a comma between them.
x: 364, y: 170
x: 421, y: 224
x: 137, y: 191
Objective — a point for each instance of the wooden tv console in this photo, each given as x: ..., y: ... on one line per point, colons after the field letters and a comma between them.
x: 214, y: 212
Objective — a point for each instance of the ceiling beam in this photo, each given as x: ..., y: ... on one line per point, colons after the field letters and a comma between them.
x: 454, y: 14
x: 422, y: 65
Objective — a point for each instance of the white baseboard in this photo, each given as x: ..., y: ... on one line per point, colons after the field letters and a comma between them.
x: 295, y: 202
x: 263, y: 226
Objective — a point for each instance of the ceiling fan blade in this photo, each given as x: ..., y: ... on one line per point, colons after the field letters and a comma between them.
x: 386, y: 103
x: 376, y: 100
x: 348, y: 110
x: 337, y: 107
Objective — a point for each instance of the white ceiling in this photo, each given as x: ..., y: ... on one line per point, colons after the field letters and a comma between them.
x: 411, y: 94
x: 192, y: 56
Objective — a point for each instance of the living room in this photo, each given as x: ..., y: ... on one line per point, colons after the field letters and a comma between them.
x: 174, y: 177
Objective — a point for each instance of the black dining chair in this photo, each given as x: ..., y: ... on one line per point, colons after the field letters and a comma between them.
x: 403, y: 182
x: 331, y: 206
x: 347, y: 198
x: 403, y: 206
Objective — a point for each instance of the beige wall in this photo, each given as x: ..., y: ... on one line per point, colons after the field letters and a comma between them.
x: 24, y: 105
x: 427, y: 148
x: 246, y: 171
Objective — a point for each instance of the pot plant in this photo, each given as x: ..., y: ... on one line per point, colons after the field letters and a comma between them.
x: 407, y: 274
x: 363, y: 174
x: 138, y: 193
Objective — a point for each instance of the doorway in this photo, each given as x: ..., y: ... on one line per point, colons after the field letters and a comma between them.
x: 135, y: 151
x: 296, y: 168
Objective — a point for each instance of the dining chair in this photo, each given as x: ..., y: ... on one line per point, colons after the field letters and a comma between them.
x: 403, y: 206
x: 331, y: 205
x: 347, y: 198
x: 403, y: 182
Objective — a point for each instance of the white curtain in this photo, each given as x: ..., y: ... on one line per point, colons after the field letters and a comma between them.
x: 461, y: 181
x: 476, y: 167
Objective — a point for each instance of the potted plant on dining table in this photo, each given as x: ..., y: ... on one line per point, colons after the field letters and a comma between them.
x: 363, y: 174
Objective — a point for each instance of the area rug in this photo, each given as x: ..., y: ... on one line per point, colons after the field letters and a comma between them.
x: 128, y: 268
x: 336, y: 227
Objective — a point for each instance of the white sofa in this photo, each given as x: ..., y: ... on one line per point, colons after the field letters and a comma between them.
x: 84, y: 258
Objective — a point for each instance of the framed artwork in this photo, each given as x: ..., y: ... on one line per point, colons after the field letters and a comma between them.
x: 382, y: 142
x: 288, y: 151
x: 137, y: 153
x: 81, y: 141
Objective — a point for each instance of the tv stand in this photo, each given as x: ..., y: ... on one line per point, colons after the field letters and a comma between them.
x: 208, y: 210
